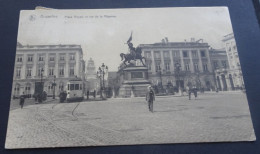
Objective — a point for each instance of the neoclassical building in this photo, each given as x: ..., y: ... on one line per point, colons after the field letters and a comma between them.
x: 192, y: 56
x: 230, y: 78
x: 36, y: 64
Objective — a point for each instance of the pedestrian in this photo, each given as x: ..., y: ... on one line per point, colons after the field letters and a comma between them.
x: 150, y: 97
x: 39, y: 97
x: 62, y: 97
x: 195, y: 91
x: 94, y: 94
x: 87, y: 95
x: 44, y: 96
x: 189, y: 91
x: 22, y: 99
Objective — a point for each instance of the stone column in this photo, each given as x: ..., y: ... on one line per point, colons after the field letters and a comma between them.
x: 66, y: 66
x: 209, y: 61
x: 200, y: 62
x: 23, y: 68
x: 191, y: 61
x: 153, y: 62
x: 182, y: 61
x: 162, y: 67
x: 34, y: 69
x: 172, y: 62
x: 229, y: 88
x: 46, y: 65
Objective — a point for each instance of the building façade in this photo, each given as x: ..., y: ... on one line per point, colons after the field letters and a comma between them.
x: 230, y: 78
x: 192, y: 58
x: 47, y: 64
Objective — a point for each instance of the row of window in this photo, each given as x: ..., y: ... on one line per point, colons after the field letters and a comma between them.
x: 74, y: 86
x: 40, y: 71
x: 186, y: 66
x: 176, y: 53
x: 231, y: 45
x: 28, y: 88
x: 42, y: 57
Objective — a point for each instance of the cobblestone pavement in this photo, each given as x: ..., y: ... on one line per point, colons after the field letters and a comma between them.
x: 213, y: 117
x: 14, y: 104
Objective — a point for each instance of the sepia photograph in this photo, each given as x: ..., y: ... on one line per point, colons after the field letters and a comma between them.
x: 106, y: 77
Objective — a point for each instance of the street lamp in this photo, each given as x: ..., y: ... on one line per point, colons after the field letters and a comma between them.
x: 53, y: 86
x: 101, y: 75
x: 177, y: 74
x: 160, y: 74
x: 100, y: 81
x: 41, y: 94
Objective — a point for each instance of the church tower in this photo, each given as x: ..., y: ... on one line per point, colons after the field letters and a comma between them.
x: 91, y: 75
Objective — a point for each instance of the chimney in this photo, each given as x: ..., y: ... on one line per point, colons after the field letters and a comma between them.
x: 192, y: 39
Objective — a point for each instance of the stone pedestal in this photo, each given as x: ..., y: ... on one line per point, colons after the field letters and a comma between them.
x: 134, y: 81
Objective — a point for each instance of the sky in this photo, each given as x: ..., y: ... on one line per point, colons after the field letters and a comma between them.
x: 102, y: 33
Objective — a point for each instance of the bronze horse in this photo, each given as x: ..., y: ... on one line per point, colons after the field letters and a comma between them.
x: 128, y: 57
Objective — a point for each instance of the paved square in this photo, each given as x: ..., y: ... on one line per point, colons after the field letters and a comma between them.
x: 213, y: 117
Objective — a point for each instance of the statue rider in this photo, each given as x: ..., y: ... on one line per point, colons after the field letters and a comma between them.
x: 131, y: 47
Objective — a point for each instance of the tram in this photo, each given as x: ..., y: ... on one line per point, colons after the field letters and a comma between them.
x: 75, y: 90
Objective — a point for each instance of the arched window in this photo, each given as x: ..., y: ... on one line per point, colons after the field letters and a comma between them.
x: 17, y: 89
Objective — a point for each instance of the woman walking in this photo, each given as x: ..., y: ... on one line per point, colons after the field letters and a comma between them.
x: 22, y: 98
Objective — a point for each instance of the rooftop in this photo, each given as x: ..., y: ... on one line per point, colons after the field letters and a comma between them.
x: 228, y: 37
x: 176, y: 44
x: 59, y: 46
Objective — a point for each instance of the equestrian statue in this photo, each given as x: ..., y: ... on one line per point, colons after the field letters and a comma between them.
x: 135, y: 53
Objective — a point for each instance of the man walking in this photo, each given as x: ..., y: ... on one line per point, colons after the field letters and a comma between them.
x: 189, y: 91
x: 22, y: 98
x: 150, y: 98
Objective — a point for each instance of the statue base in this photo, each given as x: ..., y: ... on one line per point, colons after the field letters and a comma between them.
x: 134, y: 82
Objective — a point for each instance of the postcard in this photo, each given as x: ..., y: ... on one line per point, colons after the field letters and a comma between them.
x: 102, y: 77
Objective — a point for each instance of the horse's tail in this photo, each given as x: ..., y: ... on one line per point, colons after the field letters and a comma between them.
x: 122, y: 56
x: 144, y: 59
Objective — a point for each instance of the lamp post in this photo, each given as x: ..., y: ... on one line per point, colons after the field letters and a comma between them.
x: 177, y: 75
x: 100, y: 81
x: 53, y: 86
x: 41, y: 93
x: 160, y: 74
x: 102, y: 70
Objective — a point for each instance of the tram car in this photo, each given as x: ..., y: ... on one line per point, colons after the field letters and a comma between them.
x: 75, y: 90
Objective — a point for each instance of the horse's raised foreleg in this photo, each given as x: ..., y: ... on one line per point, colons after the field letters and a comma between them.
x: 125, y: 63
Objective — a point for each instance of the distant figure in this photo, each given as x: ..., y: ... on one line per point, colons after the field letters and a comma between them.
x: 44, y: 96
x: 194, y: 91
x: 39, y: 97
x: 22, y: 98
x: 150, y: 97
x: 94, y: 94
x: 63, y: 96
x: 87, y: 95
